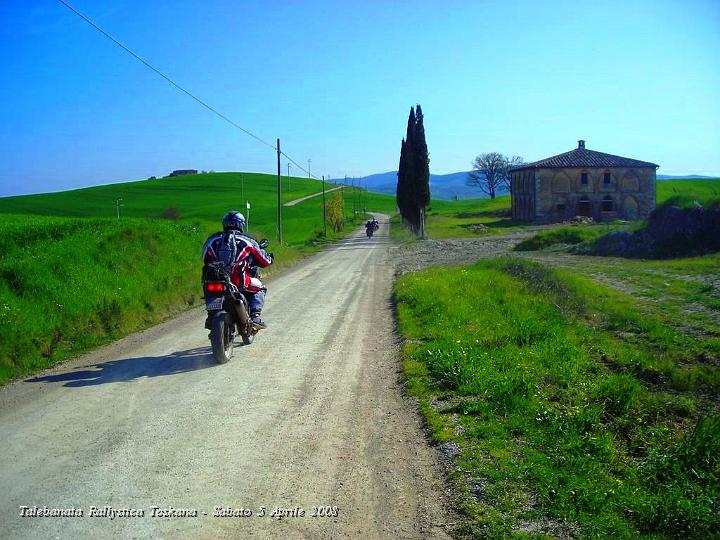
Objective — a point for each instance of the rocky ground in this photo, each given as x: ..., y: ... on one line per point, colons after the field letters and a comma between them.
x: 415, y: 256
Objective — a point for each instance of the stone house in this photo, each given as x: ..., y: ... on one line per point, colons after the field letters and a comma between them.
x: 583, y: 182
x: 183, y: 172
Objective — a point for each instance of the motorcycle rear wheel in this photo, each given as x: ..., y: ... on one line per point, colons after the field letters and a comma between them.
x: 221, y: 337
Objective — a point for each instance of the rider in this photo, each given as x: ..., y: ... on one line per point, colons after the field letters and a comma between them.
x: 369, y: 227
x: 248, y: 256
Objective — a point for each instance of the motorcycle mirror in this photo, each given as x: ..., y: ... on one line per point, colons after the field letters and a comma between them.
x: 264, y: 243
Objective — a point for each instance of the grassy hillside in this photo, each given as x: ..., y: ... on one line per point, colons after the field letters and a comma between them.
x: 568, y: 410
x: 700, y: 190
x: 203, y: 197
x: 67, y: 285
x: 72, y: 276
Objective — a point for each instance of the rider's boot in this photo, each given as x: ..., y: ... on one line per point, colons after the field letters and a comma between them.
x: 257, y: 321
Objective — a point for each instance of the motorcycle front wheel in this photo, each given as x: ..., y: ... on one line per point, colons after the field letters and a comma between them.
x: 221, y: 337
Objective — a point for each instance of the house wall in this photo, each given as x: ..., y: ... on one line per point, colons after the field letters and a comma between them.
x: 522, y: 192
x: 559, y: 194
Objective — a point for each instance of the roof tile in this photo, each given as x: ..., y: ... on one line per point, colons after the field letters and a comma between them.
x: 582, y: 157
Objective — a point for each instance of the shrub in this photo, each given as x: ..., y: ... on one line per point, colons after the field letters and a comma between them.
x: 171, y: 213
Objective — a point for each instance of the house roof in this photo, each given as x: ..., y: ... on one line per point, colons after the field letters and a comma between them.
x: 584, y: 158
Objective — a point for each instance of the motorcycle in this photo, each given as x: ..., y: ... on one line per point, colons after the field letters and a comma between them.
x: 369, y: 231
x: 227, y: 307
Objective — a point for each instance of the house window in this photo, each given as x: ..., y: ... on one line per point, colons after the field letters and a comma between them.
x: 607, y: 204
x: 606, y: 177
x: 584, y: 178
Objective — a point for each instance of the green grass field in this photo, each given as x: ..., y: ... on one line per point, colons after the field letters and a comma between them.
x: 700, y: 190
x: 72, y: 276
x: 463, y: 219
x: 564, y: 236
x: 573, y: 411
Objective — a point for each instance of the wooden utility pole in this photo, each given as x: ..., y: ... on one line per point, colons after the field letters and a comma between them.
x: 352, y: 184
x: 324, y: 215
x: 279, y: 198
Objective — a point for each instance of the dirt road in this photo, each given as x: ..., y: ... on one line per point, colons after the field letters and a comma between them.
x: 301, y: 199
x: 310, y: 415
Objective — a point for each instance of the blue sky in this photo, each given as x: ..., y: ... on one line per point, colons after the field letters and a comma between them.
x: 335, y: 81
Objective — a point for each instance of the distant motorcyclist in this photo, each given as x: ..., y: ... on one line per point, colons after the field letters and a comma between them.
x: 376, y: 224
x: 369, y: 228
x: 243, y: 256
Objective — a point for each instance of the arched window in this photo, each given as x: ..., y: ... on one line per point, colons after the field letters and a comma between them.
x: 561, y: 183
x: 630, y: 182
x: 607, y: 204
x: 583, y: 207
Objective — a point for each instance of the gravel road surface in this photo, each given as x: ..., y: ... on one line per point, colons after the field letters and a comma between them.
x: 310, y: 415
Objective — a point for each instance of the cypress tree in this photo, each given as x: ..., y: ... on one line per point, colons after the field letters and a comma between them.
x: 410, y: 215
x: 401, y: 194
x: 413, y: 187
x: 421, y: 169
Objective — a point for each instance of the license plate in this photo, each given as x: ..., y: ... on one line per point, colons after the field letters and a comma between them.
x: 214, y: 305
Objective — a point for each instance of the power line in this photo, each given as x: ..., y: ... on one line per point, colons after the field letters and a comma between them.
x: 176, y: 85
x: 291, y: 160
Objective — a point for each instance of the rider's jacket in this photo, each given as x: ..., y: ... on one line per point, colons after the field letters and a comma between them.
x: 248, y: 254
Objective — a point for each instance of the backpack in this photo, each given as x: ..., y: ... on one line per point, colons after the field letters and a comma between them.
x: 228, y: 251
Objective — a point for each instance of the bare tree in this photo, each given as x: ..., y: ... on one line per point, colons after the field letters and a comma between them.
x: 491, y: 172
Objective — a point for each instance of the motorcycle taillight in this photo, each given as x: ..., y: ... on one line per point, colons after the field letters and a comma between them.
x: 214, y: 287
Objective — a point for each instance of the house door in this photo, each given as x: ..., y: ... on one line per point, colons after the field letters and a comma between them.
x: 583, y: 208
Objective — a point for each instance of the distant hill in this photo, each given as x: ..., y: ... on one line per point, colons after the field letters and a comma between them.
x: 454, y: 185
x: 686, y: 177
x: 442, y: 186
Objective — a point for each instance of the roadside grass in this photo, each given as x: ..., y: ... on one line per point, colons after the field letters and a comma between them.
x: 568, y: 410
x: 564, y: 236
x: 67, y: 285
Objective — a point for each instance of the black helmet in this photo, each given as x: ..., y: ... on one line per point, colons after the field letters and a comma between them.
x: 234, y: 220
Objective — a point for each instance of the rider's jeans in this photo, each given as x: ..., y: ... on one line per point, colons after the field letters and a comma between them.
x: 257, y: 300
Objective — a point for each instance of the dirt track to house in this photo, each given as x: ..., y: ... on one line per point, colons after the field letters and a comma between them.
x: 311, y: 414
x: 301, y: 199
